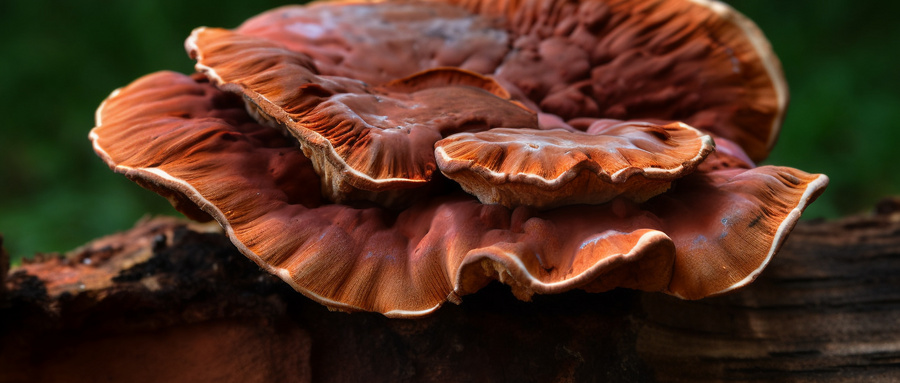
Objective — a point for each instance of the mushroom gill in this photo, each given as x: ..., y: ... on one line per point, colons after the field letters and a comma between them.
x: 421, y: 150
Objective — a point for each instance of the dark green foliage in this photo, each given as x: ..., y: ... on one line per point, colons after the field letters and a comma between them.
x: 840, y: 58
x: 58, y: 61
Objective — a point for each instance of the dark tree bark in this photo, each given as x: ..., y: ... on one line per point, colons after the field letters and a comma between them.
x: 171, y: 301
x: 4, y: 270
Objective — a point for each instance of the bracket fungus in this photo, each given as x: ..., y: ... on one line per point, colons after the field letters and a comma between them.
x: 391, y: 156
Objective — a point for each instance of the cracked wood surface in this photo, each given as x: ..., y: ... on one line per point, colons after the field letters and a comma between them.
x: 173, y: 301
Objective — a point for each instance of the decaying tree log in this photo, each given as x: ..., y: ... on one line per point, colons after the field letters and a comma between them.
x: 4, y: 269
x: 172, y: 301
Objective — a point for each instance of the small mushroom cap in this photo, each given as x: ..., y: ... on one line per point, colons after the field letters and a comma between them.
x: 713, y: 232
x: 549, y: 168
x: 361, y: 138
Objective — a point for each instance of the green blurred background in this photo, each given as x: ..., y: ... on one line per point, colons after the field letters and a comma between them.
x: 58, y: 60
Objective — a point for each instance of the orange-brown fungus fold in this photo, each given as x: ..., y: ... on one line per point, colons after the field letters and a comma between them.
x: 605, y: 144
x: 550, y: 168
x: 695, y: 61
x: 367, y: 142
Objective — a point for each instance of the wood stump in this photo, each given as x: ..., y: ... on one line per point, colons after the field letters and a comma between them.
x: 175, y: 302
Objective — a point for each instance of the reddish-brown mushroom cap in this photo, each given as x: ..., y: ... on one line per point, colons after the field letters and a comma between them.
x: 714, y: 231
x: 496, y: 69
x: 365, y: 141
x: 549, y: 168
x: 378, y: 42
x: 695, y: 61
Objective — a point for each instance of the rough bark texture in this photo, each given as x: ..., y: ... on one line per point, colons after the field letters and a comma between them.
x: 4, y: 269
x: 171, y: 301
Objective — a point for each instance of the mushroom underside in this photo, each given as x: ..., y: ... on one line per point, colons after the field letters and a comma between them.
x: 712, y: 232
x: 391, y: 156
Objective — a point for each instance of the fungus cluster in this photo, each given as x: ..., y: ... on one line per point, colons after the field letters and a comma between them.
x: 391, y: 156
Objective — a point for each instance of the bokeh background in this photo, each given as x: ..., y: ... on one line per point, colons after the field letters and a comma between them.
x: 59, y: 59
